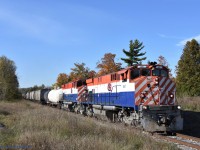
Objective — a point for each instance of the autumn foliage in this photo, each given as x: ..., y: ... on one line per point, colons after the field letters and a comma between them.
x: 62, y: 79
x: 108, y: 64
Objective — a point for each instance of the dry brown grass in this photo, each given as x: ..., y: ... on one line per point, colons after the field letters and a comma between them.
x: 47, y: 128
x: 189, y: 103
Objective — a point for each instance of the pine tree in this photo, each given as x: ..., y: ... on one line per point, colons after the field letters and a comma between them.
x: 188, y: 70
x: 8, y: 79
x: 134, y: 54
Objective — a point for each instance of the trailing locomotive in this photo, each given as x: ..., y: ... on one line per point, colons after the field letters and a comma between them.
x: 141, y: 95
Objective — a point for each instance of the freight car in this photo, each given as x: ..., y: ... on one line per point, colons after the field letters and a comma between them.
x: 55, y: 97
x: 38, y: 95
x: 140, y: 95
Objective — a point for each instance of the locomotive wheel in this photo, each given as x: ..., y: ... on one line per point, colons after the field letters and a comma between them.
x: 59, y: 106
x: 77, y: 109
x: 135, y: 123
x: 89, y: 112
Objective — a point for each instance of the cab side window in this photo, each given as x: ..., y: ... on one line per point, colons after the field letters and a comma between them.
x: 124, y: 77
x: 135, y: 73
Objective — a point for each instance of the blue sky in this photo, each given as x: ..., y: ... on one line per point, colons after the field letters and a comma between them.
x: 46, y: 37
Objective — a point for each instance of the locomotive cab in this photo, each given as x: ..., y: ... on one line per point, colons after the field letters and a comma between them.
x: 155, y: 98
x: 152, y: 85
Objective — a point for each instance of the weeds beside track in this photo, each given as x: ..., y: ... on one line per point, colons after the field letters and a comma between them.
x: 39, y: 127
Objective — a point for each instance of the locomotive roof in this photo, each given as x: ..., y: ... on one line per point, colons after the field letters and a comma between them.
x: 124, y: 70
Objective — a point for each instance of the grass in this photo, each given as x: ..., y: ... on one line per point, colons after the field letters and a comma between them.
x: 189, y: 103
x: 41, y: 127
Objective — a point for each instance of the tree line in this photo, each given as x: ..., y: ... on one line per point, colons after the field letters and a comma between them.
x: 187, y: 70
x: 106, y: 65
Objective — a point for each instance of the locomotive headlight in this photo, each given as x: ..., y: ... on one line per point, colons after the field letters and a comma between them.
x: 142, y: 95
x: 144, y: 107
x: 171, y: 95
x: 156, y: 81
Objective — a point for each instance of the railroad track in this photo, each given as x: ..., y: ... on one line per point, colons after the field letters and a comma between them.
x: 183, y: 141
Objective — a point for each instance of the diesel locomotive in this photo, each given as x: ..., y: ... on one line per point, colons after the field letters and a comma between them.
x: 142, y: 95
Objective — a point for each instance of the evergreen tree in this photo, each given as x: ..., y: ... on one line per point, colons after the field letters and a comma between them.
x: 134, y: 54
x: 188, y: 70
x: 8, y: 79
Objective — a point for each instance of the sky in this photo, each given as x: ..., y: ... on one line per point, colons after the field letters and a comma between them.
x: 46, y: 37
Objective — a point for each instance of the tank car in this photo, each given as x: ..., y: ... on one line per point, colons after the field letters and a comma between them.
x: 140, y: 95
x: 55, y: 97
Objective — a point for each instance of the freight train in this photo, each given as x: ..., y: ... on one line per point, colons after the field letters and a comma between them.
x: 141, y: 95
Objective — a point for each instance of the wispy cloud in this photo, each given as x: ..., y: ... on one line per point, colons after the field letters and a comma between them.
x: 169, y: 37
x: 38, y: 27
x: 183, y: 42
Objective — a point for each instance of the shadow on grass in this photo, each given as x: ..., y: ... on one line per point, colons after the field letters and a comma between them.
x: 191, y: 124
x: 3, y: 112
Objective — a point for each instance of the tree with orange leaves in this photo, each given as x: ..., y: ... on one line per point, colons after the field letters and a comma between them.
x: 108, y: 64
x: 62, y: 79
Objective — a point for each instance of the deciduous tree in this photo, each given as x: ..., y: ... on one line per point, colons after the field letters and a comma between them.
x: 79, y: 72
x: 134, y: 55
x: 108, y: 64
x: 63, y: 78
x: 8, y: 79
x: 164, y: 62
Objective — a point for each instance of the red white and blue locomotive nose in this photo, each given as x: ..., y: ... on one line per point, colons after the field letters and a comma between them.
x: 154, y: 90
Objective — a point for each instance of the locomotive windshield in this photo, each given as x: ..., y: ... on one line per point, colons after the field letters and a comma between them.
x: 159, y: 72
x: 148, y: 72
